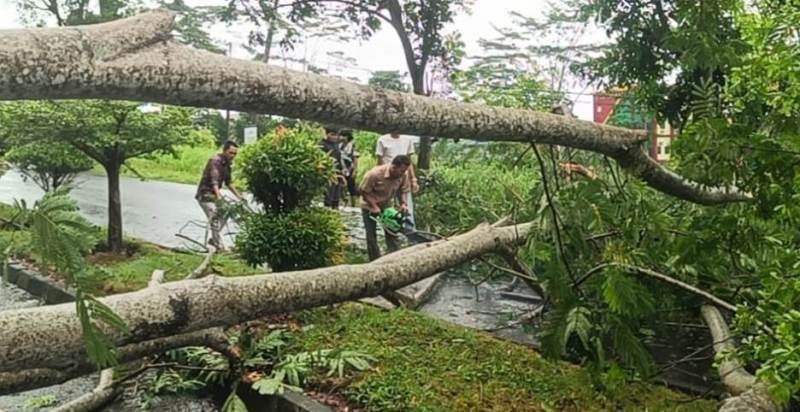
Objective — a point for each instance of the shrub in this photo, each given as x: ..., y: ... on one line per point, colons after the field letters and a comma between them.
x: 285, y: 169
x: 201, y: 138
x: 457, y: 197
x: 303, y: 238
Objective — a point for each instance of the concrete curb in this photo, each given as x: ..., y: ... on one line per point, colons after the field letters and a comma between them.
x: 38, y: 285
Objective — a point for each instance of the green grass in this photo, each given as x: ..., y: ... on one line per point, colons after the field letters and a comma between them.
x: 122, y: 273
x: 186, y: 167
x: 428, y: 365
x: 117, y: 274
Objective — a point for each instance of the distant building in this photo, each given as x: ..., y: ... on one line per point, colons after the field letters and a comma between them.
x: 612, y: 107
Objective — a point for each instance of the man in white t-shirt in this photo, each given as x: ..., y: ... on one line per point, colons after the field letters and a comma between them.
x: 389, y: 146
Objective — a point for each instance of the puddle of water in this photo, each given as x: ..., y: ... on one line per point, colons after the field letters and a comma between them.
x: 456, y: 300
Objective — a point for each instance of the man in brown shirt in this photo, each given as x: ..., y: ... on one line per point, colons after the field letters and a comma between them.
x: 379, y: 188
x: 209, y: 191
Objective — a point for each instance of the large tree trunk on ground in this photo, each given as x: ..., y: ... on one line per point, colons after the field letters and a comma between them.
x: 114, y: 208
x: 135, y: 59
x: 50, y: 337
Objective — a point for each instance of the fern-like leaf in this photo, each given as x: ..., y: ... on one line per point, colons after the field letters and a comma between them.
x: 629, y: 348
x: 625, y: 296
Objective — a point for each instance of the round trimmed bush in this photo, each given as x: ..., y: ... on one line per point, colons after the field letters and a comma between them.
x: 304, y: 238
x: 286, y: 168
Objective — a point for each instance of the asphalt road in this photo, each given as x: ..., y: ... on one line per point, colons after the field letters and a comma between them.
x: 151, y: 210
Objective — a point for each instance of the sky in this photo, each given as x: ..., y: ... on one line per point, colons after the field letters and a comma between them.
x: 382, y: 51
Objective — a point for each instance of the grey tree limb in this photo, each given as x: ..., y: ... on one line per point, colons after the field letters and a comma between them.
x: 22, y: 380
x: 50, y: 337
x: 202, y: 269
x: 750, y: 395
x: 136, y: 59
x: 103, y: 393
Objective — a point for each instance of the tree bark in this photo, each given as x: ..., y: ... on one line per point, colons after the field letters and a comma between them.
x: 271, y: 20
x: 27, y: 379
x: 135, y: 59
x: 749, y: 394
x: 114, y: 207
x: 103, y: 393
x: 417, y: 73
x: 50, y: 337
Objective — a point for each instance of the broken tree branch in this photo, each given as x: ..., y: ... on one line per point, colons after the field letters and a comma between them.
x: 735, y: 378
x: 105, y: 392
x: 137, y: 59
x: 664, y: 278
x: 22, y: 380
x: 202, y: 270
x: 749, y: 394
x: 685, y: 286
x: 50, y: 337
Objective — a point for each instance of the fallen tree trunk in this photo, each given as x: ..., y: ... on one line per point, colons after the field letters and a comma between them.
x: 49, y: 337
x: 136, y: 59
x: 23, y: 380
x: 749, y: 394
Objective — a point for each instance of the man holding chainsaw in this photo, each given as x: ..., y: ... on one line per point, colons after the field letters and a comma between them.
x: 379, y: 188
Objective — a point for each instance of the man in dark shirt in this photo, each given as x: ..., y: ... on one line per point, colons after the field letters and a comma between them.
x: 209, y: 192
x: 330, y: 145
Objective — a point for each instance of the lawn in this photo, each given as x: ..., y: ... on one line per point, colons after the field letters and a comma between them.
x: 425, y: 364
x: 117, y: 274
x: 185, y: 167
x: 123, y: 273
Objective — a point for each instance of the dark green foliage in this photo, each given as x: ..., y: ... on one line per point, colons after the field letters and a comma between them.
x: 49, y: 165
x: 60, y: 238
x: 665, y: 48
x: 475, y: 184
x: 263, y: 358
x: 303, y: 238
x: 286, y: 169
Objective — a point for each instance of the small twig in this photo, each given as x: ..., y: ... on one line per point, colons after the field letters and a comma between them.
x: 591, y: 272
x: 601, y: 236
x: 686, y: 358
x: 187, y: 238
x: 502, y: 222
x: 510, y: 286
x: 554, y: 212
x: 201, y: 270
x: 105, y: 391
x: 520, y: 157
x: 12, y: 223
x: 172, y: 365
x: 507, y: 270
x: 535, y: 313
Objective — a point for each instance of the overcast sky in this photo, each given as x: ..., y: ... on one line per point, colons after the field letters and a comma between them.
x: 383, y: 50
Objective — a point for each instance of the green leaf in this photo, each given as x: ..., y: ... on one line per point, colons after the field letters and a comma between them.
x: 234, y: 403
